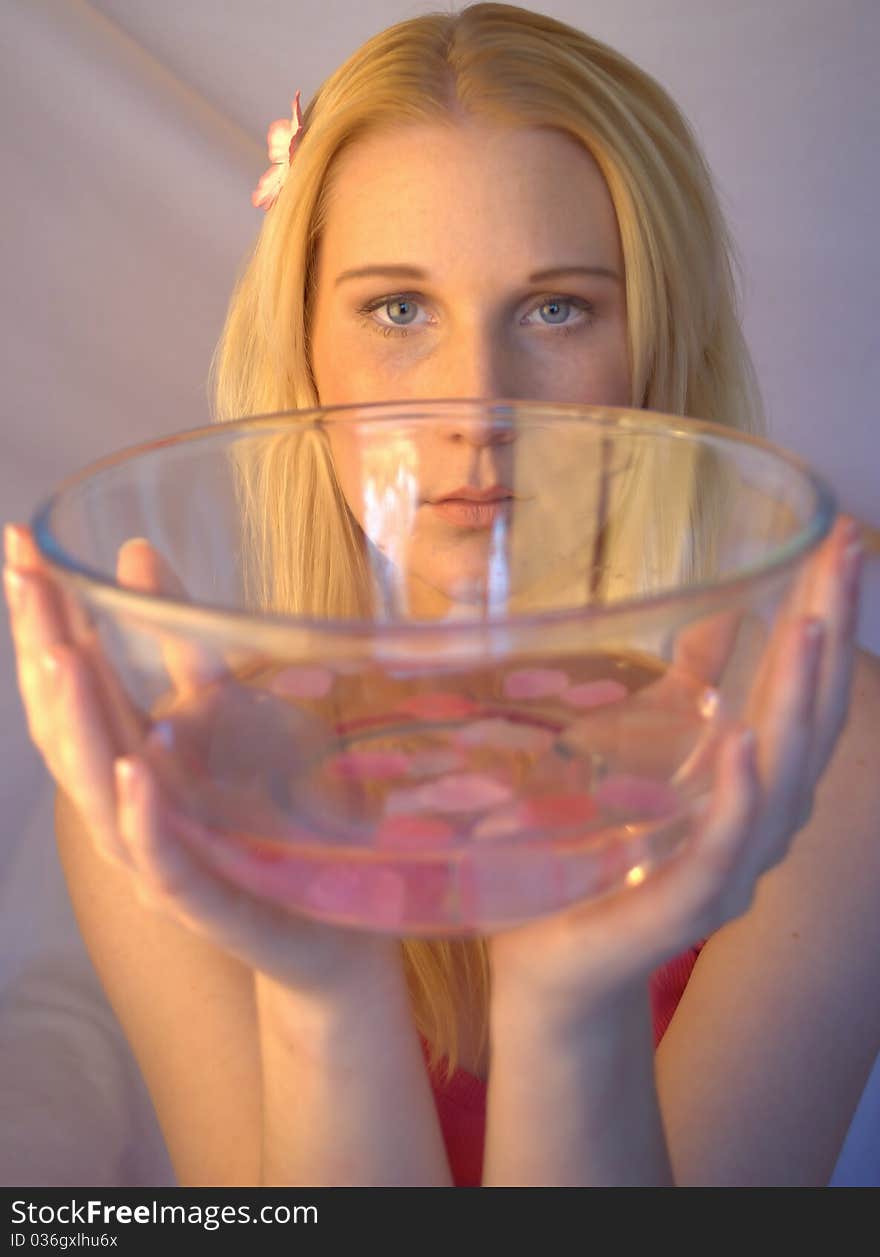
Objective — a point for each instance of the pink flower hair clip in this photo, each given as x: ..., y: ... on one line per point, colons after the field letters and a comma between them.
x: 283, y: 137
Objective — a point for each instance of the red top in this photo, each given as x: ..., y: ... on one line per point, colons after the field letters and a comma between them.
x: 461, y: 1103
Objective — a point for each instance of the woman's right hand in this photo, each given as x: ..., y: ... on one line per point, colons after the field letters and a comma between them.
x: 92, y: 739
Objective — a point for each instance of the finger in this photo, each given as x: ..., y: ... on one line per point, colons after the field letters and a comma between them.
x: 834, y: 598
x: 35, y: 629
x: 716, y: 886
x: 83, y: 749
x: 804, y: 600
x: 36, y: 618
x: 189, y: 664
x: 702, y: 652
x: 20, y: 549
x: 785, y: 735
x: 50, y: 617
x: 23, y: 555
x: 703, y: 649
x: 708, y: 881
x: 162, y: 868
x: 171, y: 878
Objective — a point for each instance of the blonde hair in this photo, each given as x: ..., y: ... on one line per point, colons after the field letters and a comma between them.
x: 515, y: 68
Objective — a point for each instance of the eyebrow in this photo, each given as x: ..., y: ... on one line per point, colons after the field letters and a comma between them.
x: 416, y: 272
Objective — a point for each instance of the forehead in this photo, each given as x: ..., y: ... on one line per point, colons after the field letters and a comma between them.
x: 468, y: 192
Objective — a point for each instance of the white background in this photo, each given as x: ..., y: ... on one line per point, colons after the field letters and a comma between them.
x: 132, y: 133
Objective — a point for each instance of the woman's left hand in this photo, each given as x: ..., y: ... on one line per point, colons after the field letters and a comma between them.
x: 765, y: 777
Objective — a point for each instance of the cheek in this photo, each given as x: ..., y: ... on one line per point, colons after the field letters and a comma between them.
x: 610, y: 384
x: 356, y: 381
x: 590, y: 379
x: 604, y: 375
x: 347, y: 370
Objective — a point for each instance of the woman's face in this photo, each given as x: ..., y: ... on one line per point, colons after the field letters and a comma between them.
x: 465, y: 262
x: 470, y: 261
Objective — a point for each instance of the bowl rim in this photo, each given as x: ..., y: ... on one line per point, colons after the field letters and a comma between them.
x: 168, y: 612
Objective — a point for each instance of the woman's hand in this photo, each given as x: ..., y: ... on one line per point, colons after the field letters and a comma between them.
x: 94, y: 742
x: 765, y: 777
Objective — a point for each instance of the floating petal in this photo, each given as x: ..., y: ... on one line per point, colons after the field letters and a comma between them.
x: 535, y: 683
x: 595, y: 694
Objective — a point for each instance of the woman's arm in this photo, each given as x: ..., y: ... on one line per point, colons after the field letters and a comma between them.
x: 765, y: 1060
x: 346, y: 1096
x: 251, y: 1084
x: 574, y: 1105
x: 763, y: 1065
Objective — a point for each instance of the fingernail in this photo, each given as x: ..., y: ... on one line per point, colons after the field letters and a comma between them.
x: 852, y: 560
x: 14, y: 584
x: 10, y: 542
x: 51, y: 659
x: 126, y: 773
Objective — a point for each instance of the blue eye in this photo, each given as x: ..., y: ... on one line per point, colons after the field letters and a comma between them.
x: 560, y: 310
x: 401, y: 311
x: 562, y: 315
x: 406, y: 309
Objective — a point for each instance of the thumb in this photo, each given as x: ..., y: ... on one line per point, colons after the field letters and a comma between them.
x: 140, y: 566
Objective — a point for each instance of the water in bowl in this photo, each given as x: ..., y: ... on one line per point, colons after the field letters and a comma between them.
x: 458, y: 802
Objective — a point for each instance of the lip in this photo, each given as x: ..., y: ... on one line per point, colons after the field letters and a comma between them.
x: 473, y: 512
x: 466, y: 493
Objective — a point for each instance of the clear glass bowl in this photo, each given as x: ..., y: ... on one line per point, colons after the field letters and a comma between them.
x: 436, y: 667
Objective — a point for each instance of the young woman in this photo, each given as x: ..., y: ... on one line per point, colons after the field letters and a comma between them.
x: 492, y: 204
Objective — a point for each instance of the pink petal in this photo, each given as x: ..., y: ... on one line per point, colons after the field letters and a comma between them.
x: 297, y: 682
x: 267, y: 189
x: 279, y: 136
x: 499, y: 824
x: 439, y: 705
x: 541, y: 812
x: 370, y: 765
x: 465, y: 792
x: 375, y: 896
x: 535, y: 682
x: 638, y: 796
x: 407, y: 831
x: 595, y: 693
x: 549, y: 810
x: 296, y: 126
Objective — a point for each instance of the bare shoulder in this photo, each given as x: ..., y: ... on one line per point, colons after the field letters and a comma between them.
x: 186, y: 1009
x: 769, y: 1050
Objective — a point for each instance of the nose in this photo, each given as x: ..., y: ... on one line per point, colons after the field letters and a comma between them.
x: 476, y: 365
x: 480, y: 369
x: 476, y: 428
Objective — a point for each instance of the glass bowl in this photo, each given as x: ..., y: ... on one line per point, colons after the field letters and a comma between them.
x: 434, y: 668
